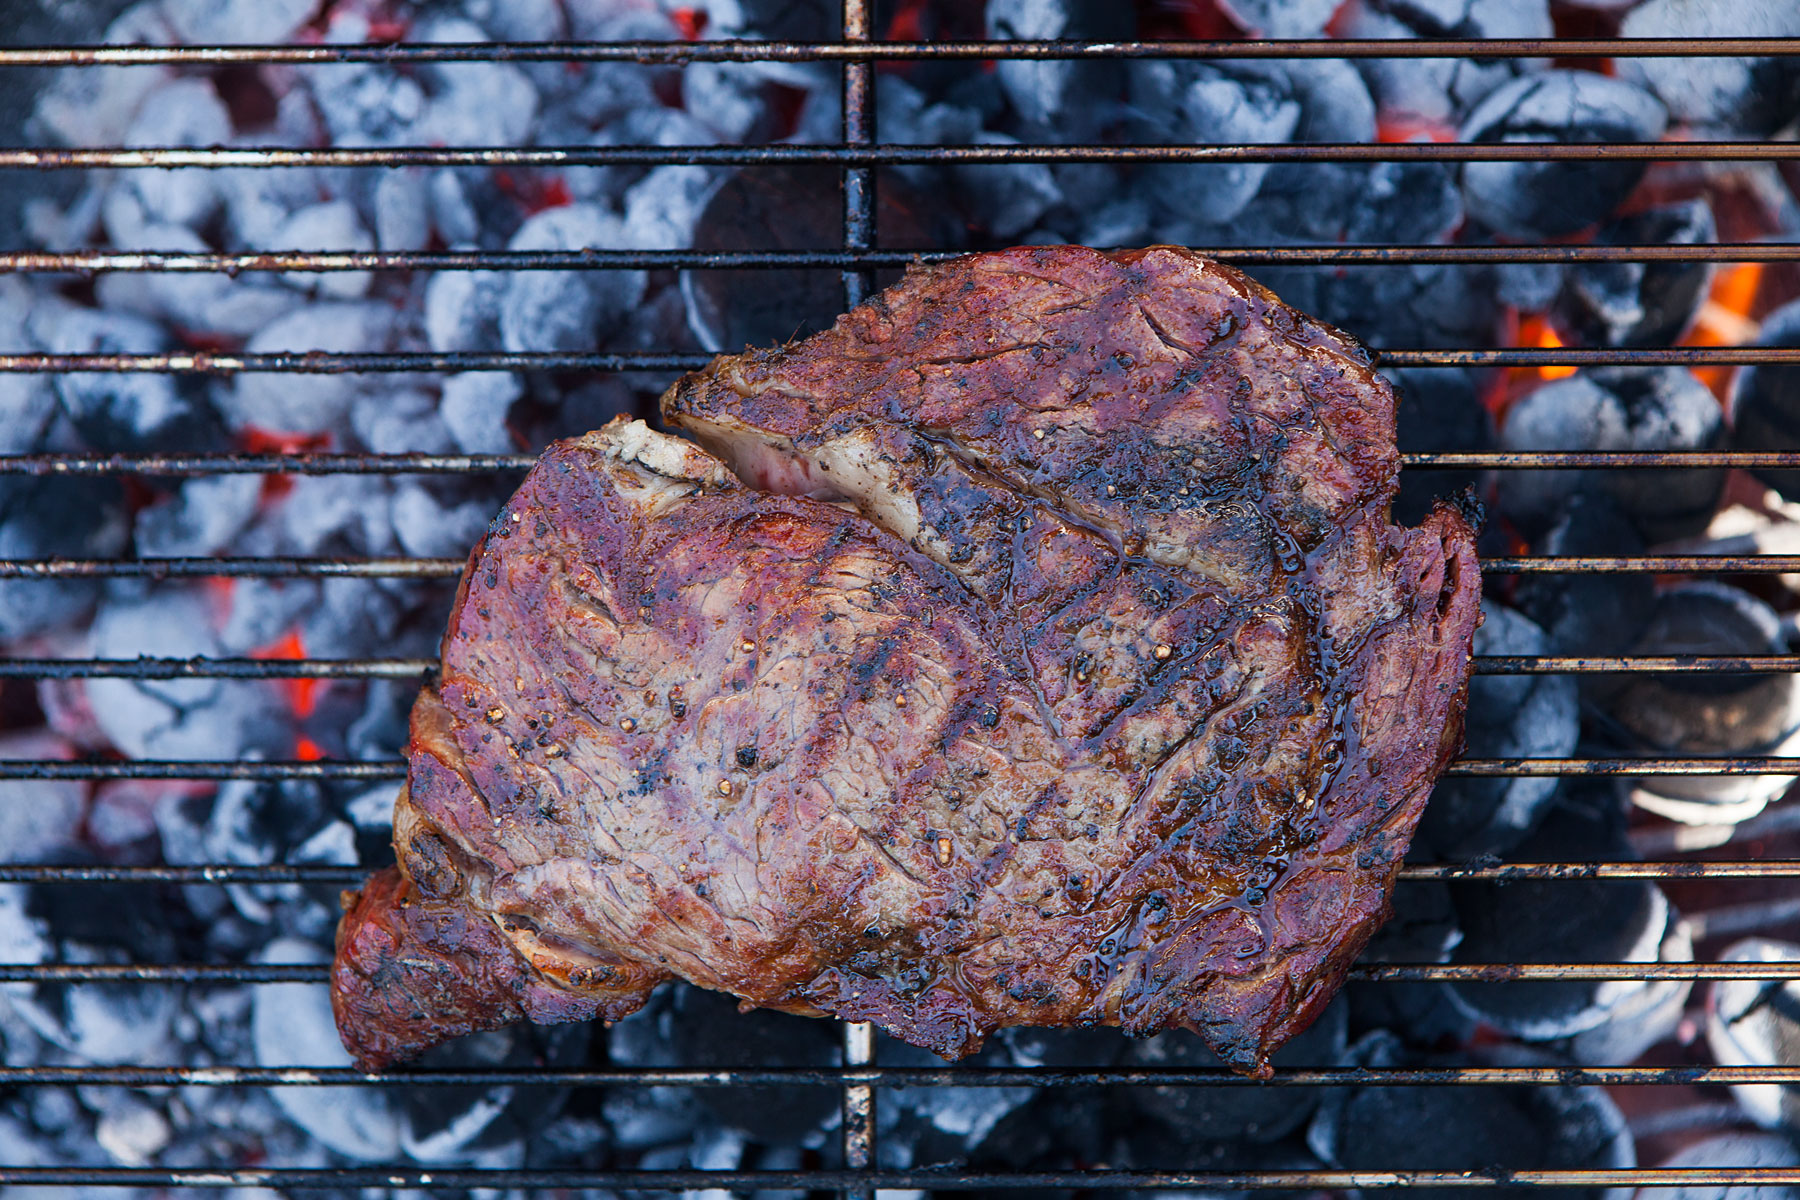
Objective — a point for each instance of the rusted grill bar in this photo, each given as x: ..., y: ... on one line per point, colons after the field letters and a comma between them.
x: 322, y: 363
x: 260, y: 973
x: 449, y: 568
x: 274, y: 873
x: 943, y: 1179
x: 891, y: 154
x: 736, y: 50
x: 456, y: 464
x: 141, y: 768
x: 1040, y: 1077
x: 83, y: 261
x: 413, y: 668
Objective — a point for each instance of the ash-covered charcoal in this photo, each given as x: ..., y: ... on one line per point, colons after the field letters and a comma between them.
x: 1531, y: 716
x: 1765, y: 402
x: 1306, y: 100
x: 39, y: 818
x: 1729, y: 95
x: 1065, y: 101
x: 1423, y: 929
x: 1727, y: 1151
x: 48, y: 517
x: 1405, y: 203
x: 1617, y: 408
x: 1756, y: 1022
x: 474, y: 407
x: 309, y: 403
x: 1236, y: 1114
x: 180, y: 111
x: 1532, y: 200
x: 1281, y: 18
x: 327, y: 225
x: 1639, y: 303
x: 789, y: 208
x: 1555, y: 920
x: 1589, y: 612
x: 291, y: 1026
x: 1323, y: 201
x: 1711, y: 712
x: 1206, y: 102
x: 690, y: 1027
x: 925, y: 1126
x: 1437, y: 410
x: 1461, y: 1128
x: 567, y: 310
x: 1644, y: 1018
x: 116, y: 410
x: 1428, y: 94
x: 27, y: 405
x: 108, y: 1023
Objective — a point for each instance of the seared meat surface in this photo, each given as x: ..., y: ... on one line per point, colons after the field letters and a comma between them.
x: 1031, y: 648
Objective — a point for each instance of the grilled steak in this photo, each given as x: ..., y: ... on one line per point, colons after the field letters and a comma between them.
x: 1031, y: 648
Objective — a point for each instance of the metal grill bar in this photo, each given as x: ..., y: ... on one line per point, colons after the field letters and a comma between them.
x: 319, y: 362
x: 449, y: 568
x: 890, y: 154
x: 1035, y: 1077
x: 271, y: 873
x: 395, y: 769
x: 858, y: 114
x: 260, y: 973
x: 224, y: 668
x: 414, y: 668
x: 741, y: 51
x: 462, y: 464
x: 304, y: 1178
x: 83, y: 261
x: 944, y: 1179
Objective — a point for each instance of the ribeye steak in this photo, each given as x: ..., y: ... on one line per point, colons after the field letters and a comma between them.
x: 1031, y: 648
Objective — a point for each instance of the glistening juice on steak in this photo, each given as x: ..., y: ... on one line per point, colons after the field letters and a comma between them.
x: 1033, y: 647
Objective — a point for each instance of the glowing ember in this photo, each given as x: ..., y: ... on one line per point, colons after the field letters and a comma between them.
x: 262, y: 441
x: 1537, y: 331
x: 1725, y: 320
x: 302, y: 694
x: 1395, y: 130
x: 534, y: 194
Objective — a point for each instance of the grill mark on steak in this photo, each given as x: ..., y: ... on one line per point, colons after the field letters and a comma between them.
x: 1082, y: 677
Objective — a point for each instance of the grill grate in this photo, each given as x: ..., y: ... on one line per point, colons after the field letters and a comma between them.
x: 856, y: 260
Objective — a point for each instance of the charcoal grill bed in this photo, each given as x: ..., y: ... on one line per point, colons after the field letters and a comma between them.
x: 860, y: 1078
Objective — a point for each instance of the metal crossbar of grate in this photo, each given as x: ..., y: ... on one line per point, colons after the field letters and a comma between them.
x: 856, y: 259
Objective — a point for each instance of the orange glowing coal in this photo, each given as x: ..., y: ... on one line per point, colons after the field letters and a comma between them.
x: 264, y: 441
x: 1537, y: 332
x: 1726, y: 320
x: 302, y: 694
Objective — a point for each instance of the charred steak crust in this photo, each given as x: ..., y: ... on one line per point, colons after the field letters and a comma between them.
x: 1045, y: 656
